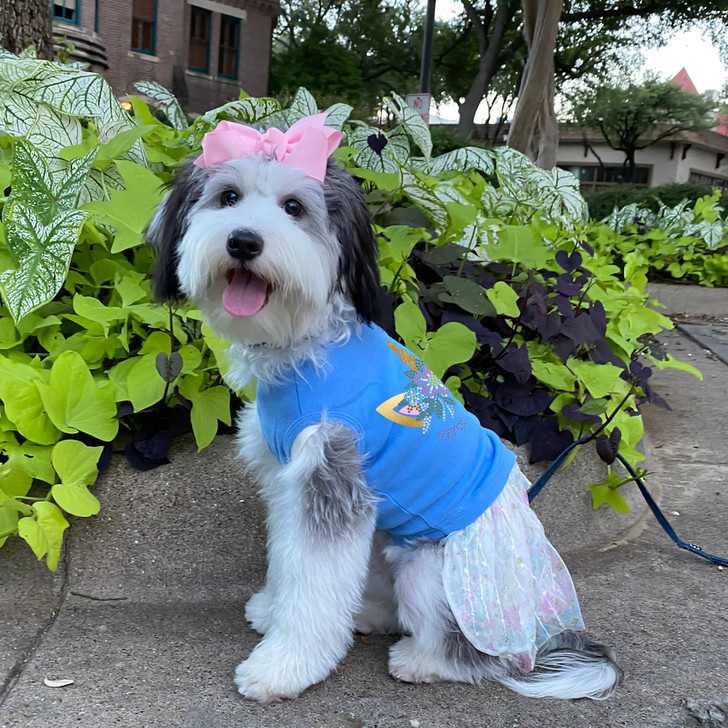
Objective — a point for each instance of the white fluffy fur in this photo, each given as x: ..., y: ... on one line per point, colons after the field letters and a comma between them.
x: 316, y: 588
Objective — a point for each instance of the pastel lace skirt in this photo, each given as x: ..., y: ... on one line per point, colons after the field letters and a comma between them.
x: 506, y: 585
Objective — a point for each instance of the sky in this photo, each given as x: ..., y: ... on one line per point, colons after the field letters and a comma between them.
x: 688, y: 49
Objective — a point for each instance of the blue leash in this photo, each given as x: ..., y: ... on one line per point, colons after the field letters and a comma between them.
x: 535, y: 489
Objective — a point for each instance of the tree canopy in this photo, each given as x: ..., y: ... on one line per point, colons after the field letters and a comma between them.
x: 636, y: 116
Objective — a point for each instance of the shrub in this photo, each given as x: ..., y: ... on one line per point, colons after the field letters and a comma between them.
x: 686, y: 243
x: 602, y: 203
x: 483, y: 256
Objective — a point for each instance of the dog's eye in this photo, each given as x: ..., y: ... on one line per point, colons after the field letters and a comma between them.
x: 293, y: 207
x: 229, y: 198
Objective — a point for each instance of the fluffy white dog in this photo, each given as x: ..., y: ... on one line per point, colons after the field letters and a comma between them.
x: 389, y: 508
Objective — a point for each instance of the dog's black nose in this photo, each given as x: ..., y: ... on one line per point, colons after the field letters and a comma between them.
x: 244, y: 244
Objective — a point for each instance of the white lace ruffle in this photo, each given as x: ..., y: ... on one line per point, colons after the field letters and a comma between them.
x: 506, y: 585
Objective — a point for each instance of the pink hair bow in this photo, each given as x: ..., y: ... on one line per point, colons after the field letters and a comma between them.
x: 305, y: 146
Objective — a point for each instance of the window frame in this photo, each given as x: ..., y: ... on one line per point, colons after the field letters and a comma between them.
x: 77, y: 13
x: 197, y: 9
x: 153, y: 23
x: 238, y: 24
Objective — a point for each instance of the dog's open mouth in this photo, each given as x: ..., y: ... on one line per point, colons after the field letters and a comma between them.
x: 245, y: 293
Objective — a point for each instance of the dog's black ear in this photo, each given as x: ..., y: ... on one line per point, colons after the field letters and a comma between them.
x: 168, y: 226
x: 350, y: 220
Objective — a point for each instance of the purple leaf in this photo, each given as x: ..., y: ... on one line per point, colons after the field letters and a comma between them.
x: 547, y: 442
x: 587, y: 248
x: 581, y: 330
x: 377, y: 142
x: 522, y: 399
x: 608, y: 447
x: 573, y: 413
x: 567, y: 286
x: 598, y: 317
x: 515, y: 360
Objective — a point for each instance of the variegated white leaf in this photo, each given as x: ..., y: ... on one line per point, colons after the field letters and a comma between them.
x: 168, y: 101
x: 560, y: 197
x: 460, y: 160
x: 43, y: 255
x: 419, y: 192
x: 303, y: 104
x: 337, y: 114
x: 47, y: 191
x: 411, y: 122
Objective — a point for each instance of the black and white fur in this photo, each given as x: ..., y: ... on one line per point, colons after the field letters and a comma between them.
x: 329, y: 572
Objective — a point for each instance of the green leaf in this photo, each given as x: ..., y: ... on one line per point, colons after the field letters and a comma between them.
x: 76, y: 500
x: 504, y: 298
x: 467, y: 294
x: 168, y: 102
x: 209, y: 406
x: 604, y: 494
x: 600, y: 380
x: 145, y: 386
x: 76, y: 463
x: 451, y: 344
x: 130, y: 209
x: 23, y: 406
x: 43, y: 532
x: 553, y: 374
x: 75, y: 403
x: 520, y: 244
x: 410, y: 324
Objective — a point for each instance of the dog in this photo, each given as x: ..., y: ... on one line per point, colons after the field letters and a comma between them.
x: 390, y: 509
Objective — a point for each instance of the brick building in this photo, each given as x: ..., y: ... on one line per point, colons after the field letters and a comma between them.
x: 204, y: 51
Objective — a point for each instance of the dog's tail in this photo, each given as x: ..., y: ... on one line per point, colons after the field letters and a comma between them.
x: 568, y: 666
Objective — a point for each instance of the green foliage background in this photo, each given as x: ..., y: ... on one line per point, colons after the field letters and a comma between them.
x: 85, y: 356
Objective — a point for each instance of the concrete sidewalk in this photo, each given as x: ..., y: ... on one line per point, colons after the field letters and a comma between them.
x: 145, y: 613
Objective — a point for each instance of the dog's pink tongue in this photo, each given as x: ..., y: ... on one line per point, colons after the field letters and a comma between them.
x: 245, y: 294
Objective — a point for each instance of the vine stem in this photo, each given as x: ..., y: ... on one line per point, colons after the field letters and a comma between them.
x: 613, y: 415
x: 171, y: 346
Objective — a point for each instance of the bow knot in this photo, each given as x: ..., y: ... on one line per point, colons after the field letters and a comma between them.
x: 305, y: 146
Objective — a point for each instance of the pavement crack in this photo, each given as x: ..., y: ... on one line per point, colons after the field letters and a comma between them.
x: 98, y: 599
x: 14, y: 673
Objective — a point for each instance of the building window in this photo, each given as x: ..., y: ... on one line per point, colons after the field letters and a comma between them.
x: 709, y: 180
x: 143, y: 25
x: 229, y: 44
x: 66, y: 10
x: 593, y: 177
x: 200, y: 24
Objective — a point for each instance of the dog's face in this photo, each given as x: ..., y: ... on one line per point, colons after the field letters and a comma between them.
x: 263, y: 250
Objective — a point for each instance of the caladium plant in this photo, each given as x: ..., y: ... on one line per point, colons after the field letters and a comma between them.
x: 488, y: 262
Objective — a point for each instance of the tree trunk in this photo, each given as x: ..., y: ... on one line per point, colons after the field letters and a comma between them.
x: 24, y: 23
x: 489, y: 63
x: 534, y: 130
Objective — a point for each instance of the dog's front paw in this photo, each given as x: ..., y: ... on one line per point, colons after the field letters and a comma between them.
x: 258, y: 611
x: 259, y: 682
x: 269, y: 674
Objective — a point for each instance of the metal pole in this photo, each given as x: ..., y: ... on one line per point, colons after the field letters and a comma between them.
x: 427, y: 48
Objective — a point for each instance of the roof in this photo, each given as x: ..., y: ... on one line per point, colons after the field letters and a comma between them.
x: 710, y: 140
x: 683, y: 79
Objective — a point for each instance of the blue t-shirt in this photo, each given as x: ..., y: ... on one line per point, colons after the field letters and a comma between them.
x: 433, y: 466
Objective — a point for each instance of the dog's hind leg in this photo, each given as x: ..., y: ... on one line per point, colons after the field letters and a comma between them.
x: 378, y: 613
x: 568, y: 666
x: 437, y: 649
x: 320, y: 533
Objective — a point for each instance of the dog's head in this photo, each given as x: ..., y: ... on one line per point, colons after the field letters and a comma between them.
x: 266, y: 251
